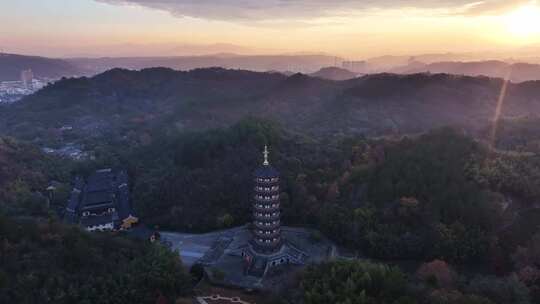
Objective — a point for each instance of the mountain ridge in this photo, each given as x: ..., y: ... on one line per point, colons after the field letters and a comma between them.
x: 120, y: 101
x: 42, y: 67
x: 334, y: 73
x: 516, y: 72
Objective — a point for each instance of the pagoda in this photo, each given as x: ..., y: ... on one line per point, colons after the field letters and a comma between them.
x: 255, y: 255
x: 266, y: 209
x: 267, y: 248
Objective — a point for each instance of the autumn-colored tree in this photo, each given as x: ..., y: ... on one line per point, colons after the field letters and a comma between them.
x: 437, y: 272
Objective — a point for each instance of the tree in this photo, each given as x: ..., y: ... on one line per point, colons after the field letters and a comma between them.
x: 439, y: 271
x: 353, y: 282
x: 48, y: 262
x: 500, y: 290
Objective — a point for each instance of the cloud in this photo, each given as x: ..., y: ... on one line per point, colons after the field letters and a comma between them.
x: 275, y: 12
x: 237, y: 10
x: 291, y: 10
x: 494, y: 7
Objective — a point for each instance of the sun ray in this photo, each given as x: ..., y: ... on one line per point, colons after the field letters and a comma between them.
x: 498, y: 111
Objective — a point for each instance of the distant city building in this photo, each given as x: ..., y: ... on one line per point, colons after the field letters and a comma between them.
x: 102, y: 203
x: 354, y: 66
x: 27, y: 78
x: 69, y: 150
x: 13, y: 91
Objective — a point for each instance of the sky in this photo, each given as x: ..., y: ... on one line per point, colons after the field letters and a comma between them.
x: 347, y: 28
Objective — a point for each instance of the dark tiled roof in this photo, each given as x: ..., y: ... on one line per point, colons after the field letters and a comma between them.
x: 100, y: 180
x: 124, y: 208
x: 266, y: 172
x: 79, y: 183
x: 123, y: 197
x: 95, y: 198
x: 122, y: 178
x: 73, y: 203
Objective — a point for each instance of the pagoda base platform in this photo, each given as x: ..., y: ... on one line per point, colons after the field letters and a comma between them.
x: 231, y: 260
x: 260, y: 264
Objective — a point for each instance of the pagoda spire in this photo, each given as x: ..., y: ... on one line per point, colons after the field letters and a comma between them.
x: 265, y: 153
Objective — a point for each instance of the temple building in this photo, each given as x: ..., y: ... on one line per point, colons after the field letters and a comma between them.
x: 102, y: 203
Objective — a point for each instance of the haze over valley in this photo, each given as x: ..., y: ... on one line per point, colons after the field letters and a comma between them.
x: 164, y: 99
x: 275, y: 152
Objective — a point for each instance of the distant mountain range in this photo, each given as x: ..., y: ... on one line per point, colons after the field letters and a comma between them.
x: 516, y: 72
x: 11, y: 66
x: 124, y: 104
x: 297, y: 63
x: 322, y: 66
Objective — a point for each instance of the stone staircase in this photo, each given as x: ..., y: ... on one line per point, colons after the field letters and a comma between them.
x: 258, y: 267
x: 217, y: 250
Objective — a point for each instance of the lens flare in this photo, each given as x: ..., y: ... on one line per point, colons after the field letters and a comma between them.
x: 498, y: 111
x: 525, y: 21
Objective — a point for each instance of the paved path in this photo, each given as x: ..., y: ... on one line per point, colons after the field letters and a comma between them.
x: 220, y: 299
x: 191, y: 246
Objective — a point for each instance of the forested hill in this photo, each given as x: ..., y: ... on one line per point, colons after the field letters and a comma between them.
x: 124, y: 102
x: 11, y: 66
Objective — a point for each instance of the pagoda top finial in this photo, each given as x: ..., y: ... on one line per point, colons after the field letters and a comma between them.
x: 265, y: 153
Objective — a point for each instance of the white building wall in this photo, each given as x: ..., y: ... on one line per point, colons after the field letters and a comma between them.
x: 108, y: 226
